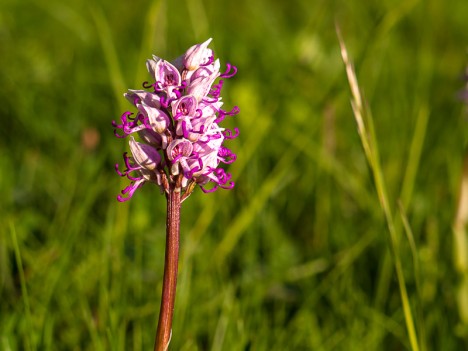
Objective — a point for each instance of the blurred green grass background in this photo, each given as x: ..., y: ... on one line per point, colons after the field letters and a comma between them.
x: 297, y: 256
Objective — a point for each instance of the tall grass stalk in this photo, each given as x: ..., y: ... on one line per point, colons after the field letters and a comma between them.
x: 367, y: 135
x: 31, y: 344
x: 417, y: 273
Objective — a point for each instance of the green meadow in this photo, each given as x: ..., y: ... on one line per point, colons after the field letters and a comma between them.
x: 346, y: 227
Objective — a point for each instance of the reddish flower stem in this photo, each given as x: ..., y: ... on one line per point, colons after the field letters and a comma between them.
x: 164, y: 331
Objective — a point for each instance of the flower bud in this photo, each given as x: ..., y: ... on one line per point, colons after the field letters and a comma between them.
x: 151, y: 137
x: 145, y: 155
x: 158, y: 120
x: 151, y: 65
x: 197, y: 55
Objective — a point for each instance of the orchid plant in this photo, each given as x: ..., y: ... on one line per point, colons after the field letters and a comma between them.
x: 181, y: 146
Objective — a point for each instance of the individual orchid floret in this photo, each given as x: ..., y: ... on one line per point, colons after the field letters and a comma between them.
x: 186, y: 106
x: 177, y: 120
x: 155, y: 117
x: 159, y: 141
x: 200, y: 87
x: 198, y: 55
x: 178, y: 151
x: 145, y: 155
x: 167, y: 77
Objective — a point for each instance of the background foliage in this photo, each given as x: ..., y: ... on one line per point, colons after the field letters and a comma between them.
x: 297, y: 256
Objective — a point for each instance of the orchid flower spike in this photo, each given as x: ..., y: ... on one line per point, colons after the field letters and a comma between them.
x: 176, y: 118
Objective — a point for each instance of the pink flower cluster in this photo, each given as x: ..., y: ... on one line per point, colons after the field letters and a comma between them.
x: 177, y: 121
